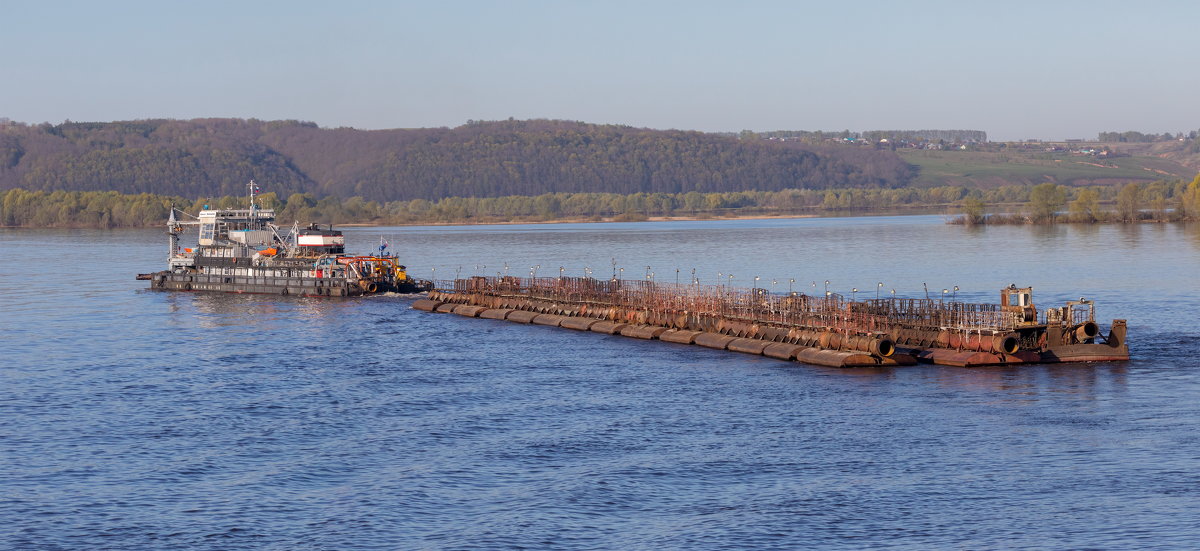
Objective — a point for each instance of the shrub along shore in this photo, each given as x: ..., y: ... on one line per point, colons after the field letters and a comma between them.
x: 1171, y: 202
x: 1043, y: 203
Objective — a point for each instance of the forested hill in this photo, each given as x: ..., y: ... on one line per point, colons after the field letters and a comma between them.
x: 215, y: 157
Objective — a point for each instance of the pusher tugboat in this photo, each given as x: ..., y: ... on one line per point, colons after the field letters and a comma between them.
x: 242, y: 251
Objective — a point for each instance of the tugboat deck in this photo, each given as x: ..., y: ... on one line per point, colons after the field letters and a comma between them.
x: 243, y: 251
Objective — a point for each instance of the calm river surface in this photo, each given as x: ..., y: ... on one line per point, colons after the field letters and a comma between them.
x: 132, y: 419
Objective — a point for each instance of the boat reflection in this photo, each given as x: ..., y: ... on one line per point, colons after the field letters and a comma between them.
x: 1032, y: 383
x: 213, y: 310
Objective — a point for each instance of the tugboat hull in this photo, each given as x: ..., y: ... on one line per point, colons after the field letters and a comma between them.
x: 297, y: 286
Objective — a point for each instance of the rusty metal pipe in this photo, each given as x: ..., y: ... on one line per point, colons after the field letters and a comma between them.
x: 943, y: 338
x: 1007, y: 343
x: 882, y: 346
x: 1086, y: 331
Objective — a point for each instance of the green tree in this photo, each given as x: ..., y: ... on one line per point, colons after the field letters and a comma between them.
x: 269, y: 200
x: 1190, y: 199
x: 1158, y: 207
x: 1129, y: 203
x: 974, y: 210
x: 694, y: 201
x: 1045, y: 200
x: 548, y: 206
x: 1086, y: 206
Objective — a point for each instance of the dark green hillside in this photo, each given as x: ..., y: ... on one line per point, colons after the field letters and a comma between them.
x: 213, y: 157
x: 165, y: 157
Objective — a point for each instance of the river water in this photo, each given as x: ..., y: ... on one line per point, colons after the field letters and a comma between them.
x: 133, y: 419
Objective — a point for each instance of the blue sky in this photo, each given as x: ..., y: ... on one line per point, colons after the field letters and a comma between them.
x: 1015, y: 69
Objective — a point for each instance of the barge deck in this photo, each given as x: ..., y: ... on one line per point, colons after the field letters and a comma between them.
x: 823, y: 330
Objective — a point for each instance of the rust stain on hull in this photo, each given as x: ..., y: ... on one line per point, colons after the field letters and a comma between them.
x: 828, y: 331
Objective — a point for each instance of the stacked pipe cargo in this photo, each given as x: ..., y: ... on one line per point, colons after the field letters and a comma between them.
x: 825, y: 330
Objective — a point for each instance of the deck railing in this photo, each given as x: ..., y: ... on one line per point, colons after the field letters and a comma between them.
x: 755, y: 305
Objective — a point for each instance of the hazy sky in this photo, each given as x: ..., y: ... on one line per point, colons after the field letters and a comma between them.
x: 1044, y: 69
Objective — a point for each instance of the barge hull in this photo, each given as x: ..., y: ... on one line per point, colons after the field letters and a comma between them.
x: 1061, y: 354
x: 815, y: 330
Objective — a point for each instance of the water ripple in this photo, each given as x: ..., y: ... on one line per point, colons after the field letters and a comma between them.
x: 141, y: 420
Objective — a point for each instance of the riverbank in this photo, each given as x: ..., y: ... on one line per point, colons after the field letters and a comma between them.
x: 1024, y: 220
x: 1044, y: 203
x: 482, y: 221
x: 605, y: 220
x: 102, y: 210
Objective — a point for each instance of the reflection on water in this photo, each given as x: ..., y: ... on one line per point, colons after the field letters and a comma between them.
x: 1087, y: 232
x: 250, y: 310
x: 210, y: 421
x: 1035, y: 383
x: 1047, y: 234
x: 1192, y: 230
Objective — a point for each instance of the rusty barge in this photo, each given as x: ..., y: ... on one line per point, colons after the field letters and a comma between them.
x: 823, y: 330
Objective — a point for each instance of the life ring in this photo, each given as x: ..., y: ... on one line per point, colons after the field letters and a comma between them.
x: 284, y: 292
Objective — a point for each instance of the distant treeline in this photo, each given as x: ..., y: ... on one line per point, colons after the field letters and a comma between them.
x: 83, y: 209
x: 950, y: 136
x: 1048, y: 203
x: 480, y: 159
x: 1160, y: 200
x: 1131, y: 136
x: 95, y: 209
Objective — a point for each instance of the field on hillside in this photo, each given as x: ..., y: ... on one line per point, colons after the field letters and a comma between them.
x: 989, y: 169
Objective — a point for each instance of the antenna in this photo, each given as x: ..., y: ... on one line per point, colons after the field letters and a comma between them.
x: 173, y: 232
x: 253, y: 192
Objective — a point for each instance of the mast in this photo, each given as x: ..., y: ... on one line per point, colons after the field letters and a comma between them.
x: 253, y: 191
x: 173, y: 240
